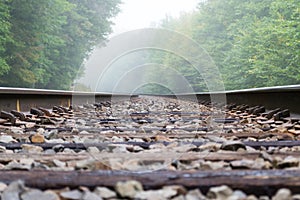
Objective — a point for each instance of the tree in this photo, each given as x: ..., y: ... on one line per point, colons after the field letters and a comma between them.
x: 87, y: 25
x: 51, y: 39
x: 4, y: 36
x: 254, y: 43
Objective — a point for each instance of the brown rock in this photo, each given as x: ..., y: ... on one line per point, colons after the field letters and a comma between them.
x: 295, y: 132
x: 161, y: 138
x: 37, y: 138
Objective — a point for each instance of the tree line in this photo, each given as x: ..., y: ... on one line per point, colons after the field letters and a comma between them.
x: 44, y: 43
x: 254, y: 43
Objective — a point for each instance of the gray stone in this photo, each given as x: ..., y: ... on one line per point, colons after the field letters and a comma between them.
x: 296, y: 197
x: 40, y: 130
x: 180, y: 197
x: 84, y: 133
x: 195, y: 195
x: 264, y: 198
x: 73, y: 194
x: 16, y: 130
x: 81, y: 121
x: 90, y: 196
x: 93, y: 150
x: 68, y: 150
x: 128, y: 188
x: 16, y: 165
x: 210, y: 146
x: 35, y: 194
x: 266, y: 156
x: 219, y: 193
x: 289, y: 161
x: 216, y: 139
x: 2, y: 149
x: 13, y: 191
x: 56, y: 141
x: 85, y: 164
x: 31, y: 148
x: 105, y: 192
x: 283, y: 193
x: 233, y: 145
x: 50, y: 134
x: 155, y: 194
x: 59, y: 163
x: 58, y: 148
x: 170, y: 191
x: 251, y: 197
x: 260, y: 163
x: 237, y: 195
x: 208, y: 165
x: 52, y: 194
x: 7, y: 139
x: 26, y: 161
x: 49, y: 151
x: 3, y: 186
x: 242, y: 164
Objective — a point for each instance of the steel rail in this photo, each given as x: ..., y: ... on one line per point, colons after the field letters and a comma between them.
x: 23, y: 99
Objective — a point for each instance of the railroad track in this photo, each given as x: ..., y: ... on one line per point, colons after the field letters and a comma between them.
x: 149, y: 147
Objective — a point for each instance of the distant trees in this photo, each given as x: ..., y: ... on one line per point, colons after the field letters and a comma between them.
x: 254, y: 43
x: 43, y: 43
x: 5, y: 37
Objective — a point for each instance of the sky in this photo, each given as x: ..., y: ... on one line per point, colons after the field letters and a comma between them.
x: 137, y: 14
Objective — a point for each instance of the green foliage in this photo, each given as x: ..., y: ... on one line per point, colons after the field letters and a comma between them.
x: 50, y: 39
x: 4, y: 35
x: 254, y: 43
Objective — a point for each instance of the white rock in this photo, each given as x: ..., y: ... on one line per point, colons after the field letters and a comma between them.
x: 90, y: 196
x: 73, y: 194
x: 35, y: 194
x: 15, y: 165
x: 296, y: 197
x: 219, y: 193
x: 283, y: 193
x: 31, y: 148
x: 93, y: 150
x: 150, y: 195
x: 3, y: 186
x: 7, y: 139
x: 59, y: 163
x: 251, y: 197
x: 105, y: 192
x: 13, y: 191
x: 128, y: 188
x: 2, y: 149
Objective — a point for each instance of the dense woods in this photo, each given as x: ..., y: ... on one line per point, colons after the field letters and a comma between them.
x: 254, y: 43
x: 43, y: 43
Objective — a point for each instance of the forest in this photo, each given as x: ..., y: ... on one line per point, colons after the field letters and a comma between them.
x: 253, y: 43
x: 44, y: 43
